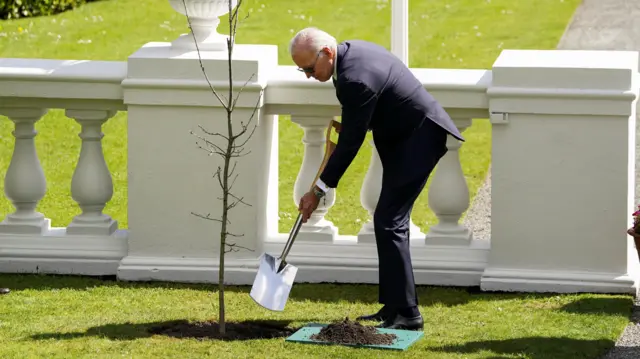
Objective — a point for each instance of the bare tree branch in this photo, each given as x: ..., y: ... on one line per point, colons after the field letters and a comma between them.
x: 239, y: 199
x: 209, y: 144
x: 213, y: 133
x: 195, y: 41
x: 219, y: 176
x: 208, y: 217
x: 232, y: 183
x: 234, y: 168
x: 253, y: 113
x: 233, y: 105
x: 234, y: 248
x: 234, y: 20
x: 246, y: 17
x: 210, y: 152
x: 242, y: 152
x: 236, y: 202
x: 234, y: 235
x: 248, y: 137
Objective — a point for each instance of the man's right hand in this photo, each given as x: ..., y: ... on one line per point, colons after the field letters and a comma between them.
x: 308, y: 203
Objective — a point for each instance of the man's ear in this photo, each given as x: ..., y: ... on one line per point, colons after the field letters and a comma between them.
x: 328, y: 51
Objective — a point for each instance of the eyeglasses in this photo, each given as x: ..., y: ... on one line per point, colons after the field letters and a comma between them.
x: 311, y: 69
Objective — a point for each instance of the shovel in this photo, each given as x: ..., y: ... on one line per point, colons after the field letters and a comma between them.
x: 275, y: 276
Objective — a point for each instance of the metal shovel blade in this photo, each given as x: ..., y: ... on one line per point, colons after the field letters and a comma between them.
x: 274, y: 279
x: 271, y: 288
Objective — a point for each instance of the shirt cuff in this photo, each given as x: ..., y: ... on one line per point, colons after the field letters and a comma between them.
x: 322, y: 185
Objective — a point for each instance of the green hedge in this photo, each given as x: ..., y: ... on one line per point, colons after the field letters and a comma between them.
x: 13, y: 9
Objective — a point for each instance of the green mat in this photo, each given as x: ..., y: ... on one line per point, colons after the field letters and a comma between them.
x: 404, y: 338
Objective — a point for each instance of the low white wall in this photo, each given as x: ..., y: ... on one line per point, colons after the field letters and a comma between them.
x: 563, y: 170
x: 563, y: 164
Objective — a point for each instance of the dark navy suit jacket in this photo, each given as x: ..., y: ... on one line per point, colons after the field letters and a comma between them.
x: 377, y: 92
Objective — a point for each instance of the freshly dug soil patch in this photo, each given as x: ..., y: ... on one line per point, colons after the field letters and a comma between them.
x: 349, y: 332
x: 234, y: 330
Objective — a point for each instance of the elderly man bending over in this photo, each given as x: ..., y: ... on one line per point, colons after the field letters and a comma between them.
x: 379, y: 93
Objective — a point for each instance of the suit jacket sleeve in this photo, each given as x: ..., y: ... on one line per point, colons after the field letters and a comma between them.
x: 358, y: 104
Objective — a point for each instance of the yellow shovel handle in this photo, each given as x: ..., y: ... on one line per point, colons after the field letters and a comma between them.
x: 329, y: 147
x: 328, y: 150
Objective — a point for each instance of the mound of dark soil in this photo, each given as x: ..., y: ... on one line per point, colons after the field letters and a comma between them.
x: 234, y: 330
x: 349, y: 332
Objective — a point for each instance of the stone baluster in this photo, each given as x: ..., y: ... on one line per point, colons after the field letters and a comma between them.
x: 91, y: 185
x: 24, y: 183
x: 317, y: 227
x: 369, y: 195
x: 448, y: 195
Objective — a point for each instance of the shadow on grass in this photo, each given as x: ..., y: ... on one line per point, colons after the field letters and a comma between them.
x: 203, y: 330
x: 606, y: 306
x: 535, y: 347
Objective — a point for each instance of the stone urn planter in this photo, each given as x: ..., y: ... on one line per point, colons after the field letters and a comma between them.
x: 204, y: 16
x: 635, y: 230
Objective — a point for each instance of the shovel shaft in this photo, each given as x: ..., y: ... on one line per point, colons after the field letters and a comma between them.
x: 292, y: 237
x: 329, y: 148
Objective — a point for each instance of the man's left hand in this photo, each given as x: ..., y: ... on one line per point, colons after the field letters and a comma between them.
x: 308, y: 203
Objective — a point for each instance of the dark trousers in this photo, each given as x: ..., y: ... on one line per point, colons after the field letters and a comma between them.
x: 407, y: 163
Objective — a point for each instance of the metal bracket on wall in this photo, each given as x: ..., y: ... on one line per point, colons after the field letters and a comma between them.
x: 499, y: 118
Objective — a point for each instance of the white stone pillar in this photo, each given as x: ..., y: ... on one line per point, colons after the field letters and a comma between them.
x: 563, y: 170
x: 449, y: 195
x: 400, y: 29
x: 317, y: 227
x: 91, y: 185
x: 24, y: 183
x: 369, y: 195
x: 171, y: 183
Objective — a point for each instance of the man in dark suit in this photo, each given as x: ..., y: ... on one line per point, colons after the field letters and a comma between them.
x: 379, y: 93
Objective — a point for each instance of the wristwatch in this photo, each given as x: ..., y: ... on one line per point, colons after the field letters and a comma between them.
x: 318, y: 192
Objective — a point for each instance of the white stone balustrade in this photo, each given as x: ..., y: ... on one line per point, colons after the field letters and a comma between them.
x: 563, y: 146
x: 24, y: 183
x: 91, y: 185
x: 91, y: 92
x: 449, y: 195
x: 317, y: 227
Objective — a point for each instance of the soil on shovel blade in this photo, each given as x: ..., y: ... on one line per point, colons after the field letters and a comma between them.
x: 234, y: 330
x: 349, y: 332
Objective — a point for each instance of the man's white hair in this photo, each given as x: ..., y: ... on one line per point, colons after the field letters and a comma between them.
x: 312, y: 39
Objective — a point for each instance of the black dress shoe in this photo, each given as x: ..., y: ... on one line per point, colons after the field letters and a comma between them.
x: 400, y: 322
x: 380, y: 316
x: 4, y: 290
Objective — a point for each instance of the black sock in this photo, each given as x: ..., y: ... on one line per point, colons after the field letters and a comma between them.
x: 409, y: 312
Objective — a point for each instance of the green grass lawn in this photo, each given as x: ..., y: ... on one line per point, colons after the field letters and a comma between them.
x: 62, y: 317
x: 443, y: 34
x: 75, y: 317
